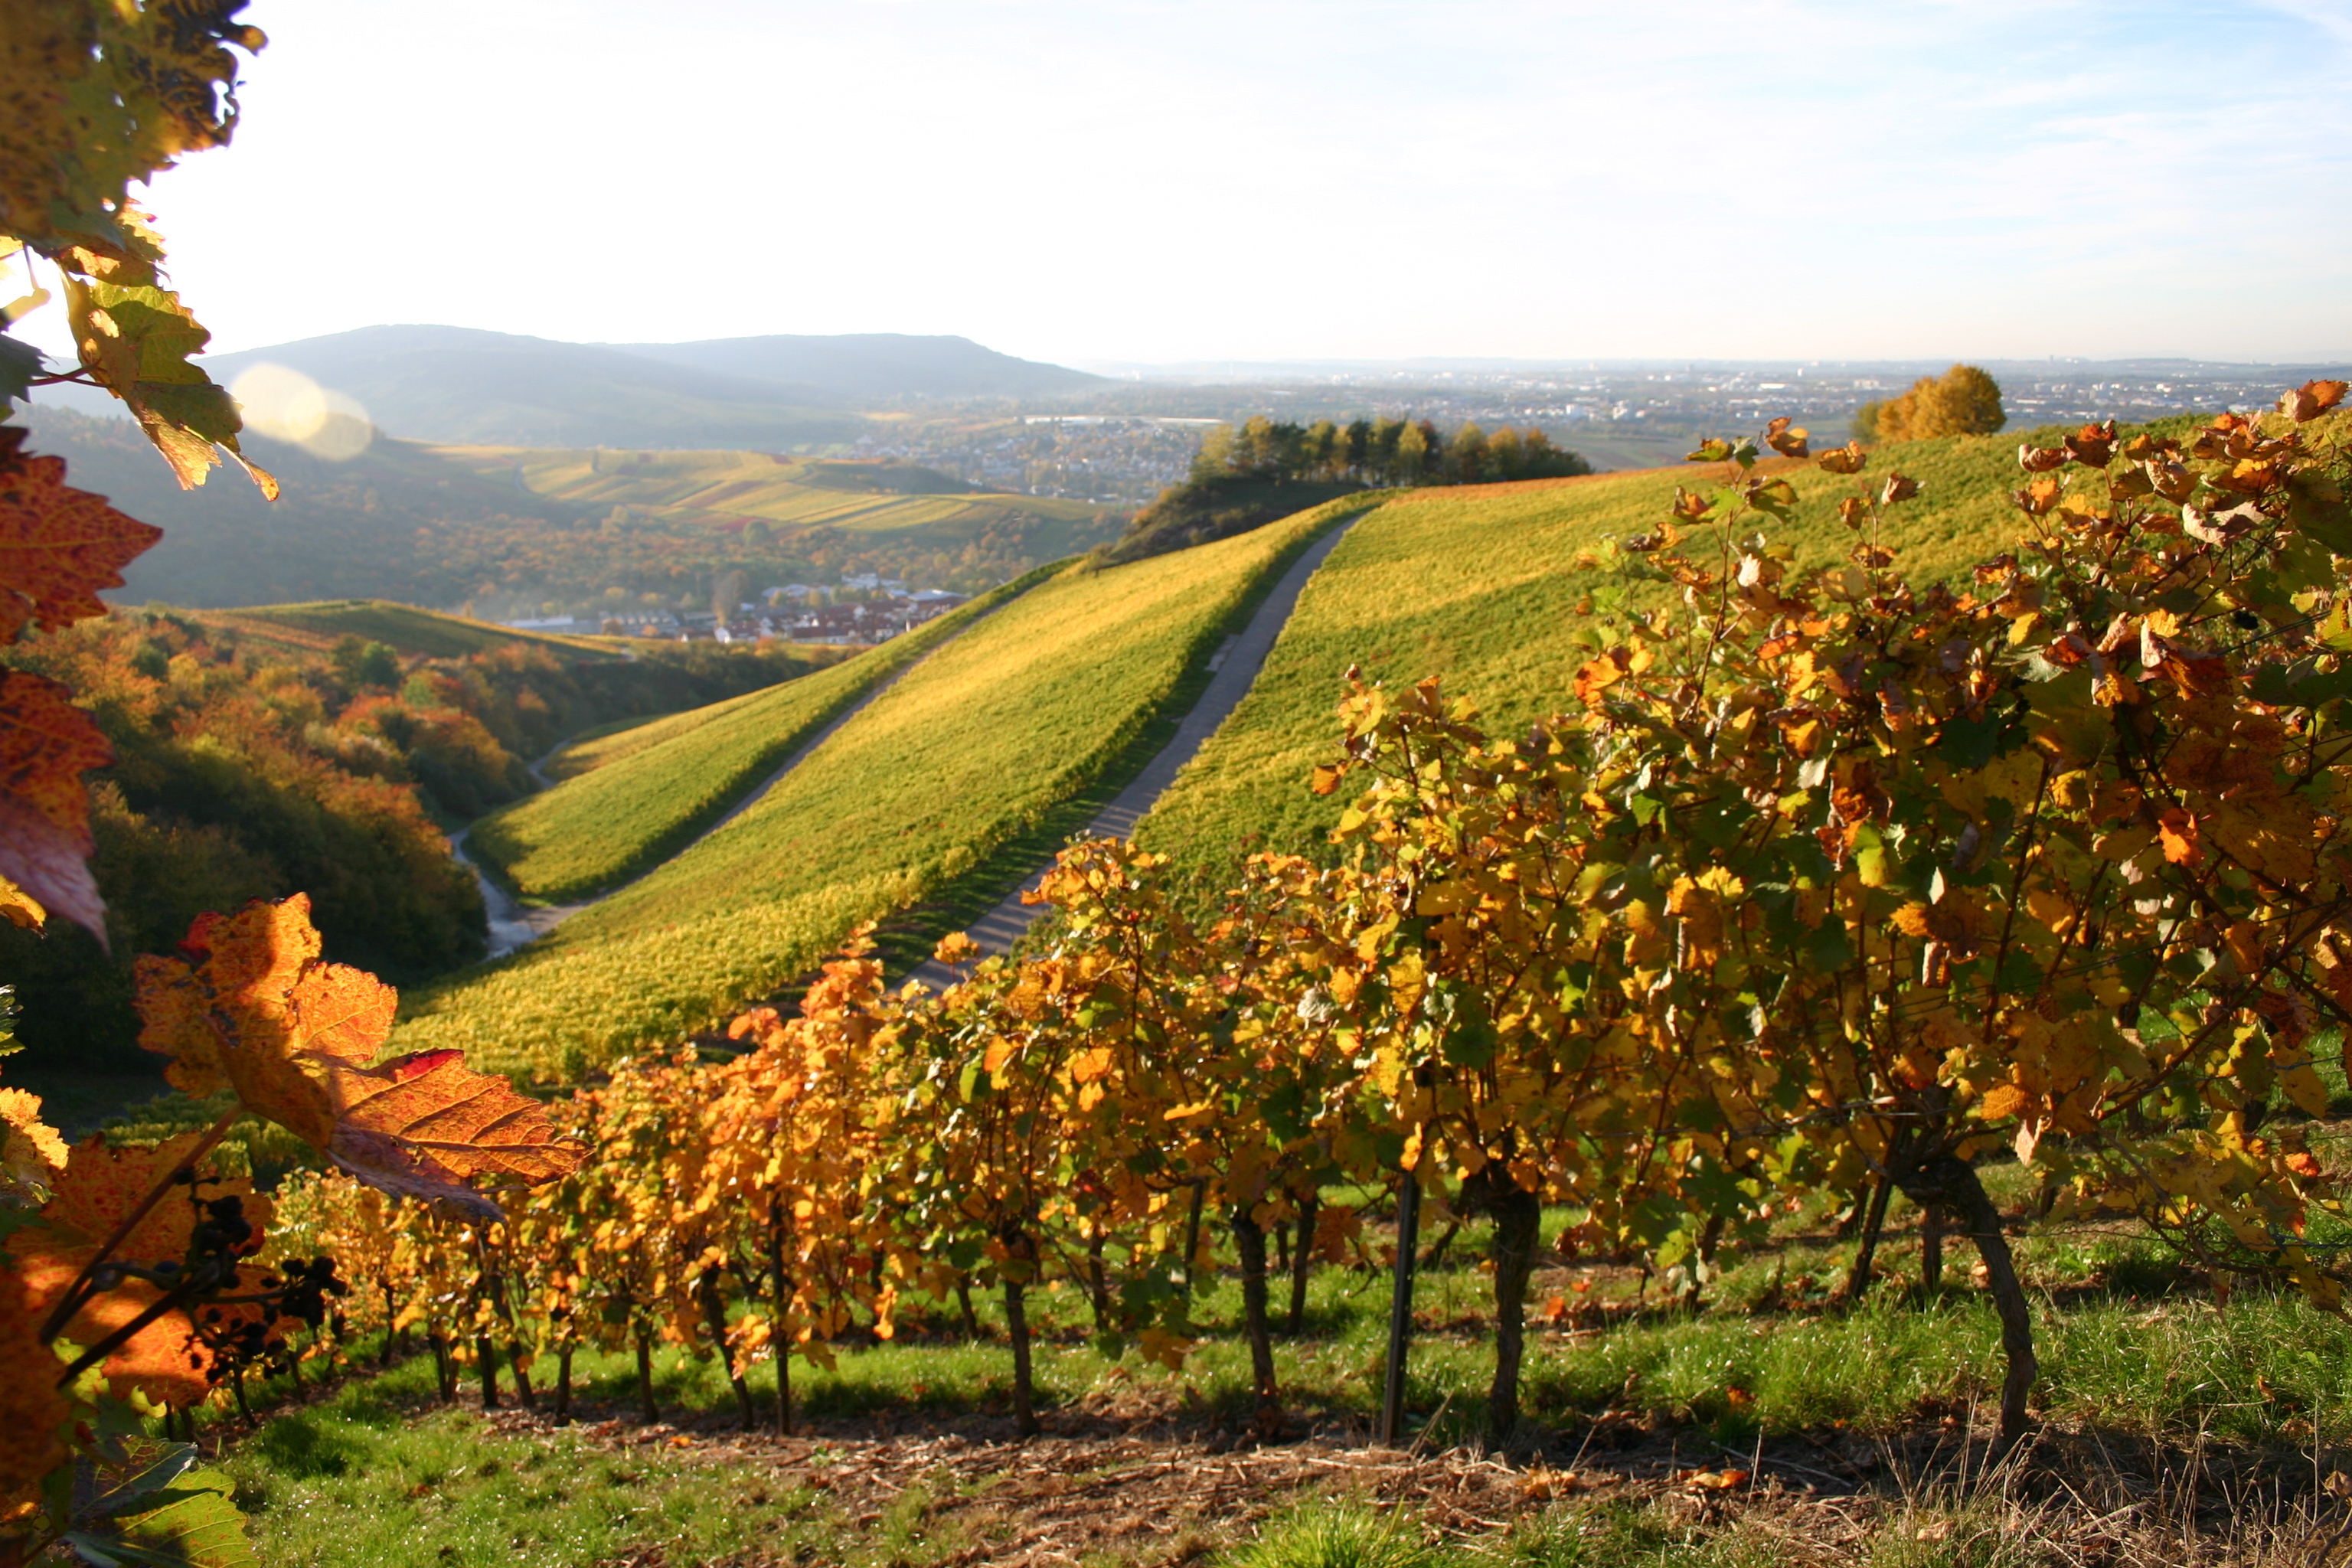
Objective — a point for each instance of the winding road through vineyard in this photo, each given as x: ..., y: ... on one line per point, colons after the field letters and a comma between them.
x: 514, y: 925
x: 1236, y: 664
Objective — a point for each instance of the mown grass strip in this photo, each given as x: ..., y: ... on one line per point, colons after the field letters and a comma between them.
x: 977, y: 745
x: 645, y: 804
x: 1482, y: 587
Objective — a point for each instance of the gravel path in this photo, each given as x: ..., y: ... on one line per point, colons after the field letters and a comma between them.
x: 1236, y: 665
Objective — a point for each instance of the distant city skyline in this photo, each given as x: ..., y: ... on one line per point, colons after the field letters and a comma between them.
x: 1142, y: 182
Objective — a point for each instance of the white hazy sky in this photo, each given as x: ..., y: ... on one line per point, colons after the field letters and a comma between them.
x: 1166, y: 180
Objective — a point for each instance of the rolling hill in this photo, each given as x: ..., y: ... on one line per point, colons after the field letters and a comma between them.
x: 458, y: 385
x: 513, y: 529
x: 1488, y: 588
x: 968, y: 750
x: 654, y: 787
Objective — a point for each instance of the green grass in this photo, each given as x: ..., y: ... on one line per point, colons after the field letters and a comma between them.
x: 967, y: 751
x: 425, y: 634
x: 591, y: 748
x: 371, y: 1476
x: 2133, y: 1351
x: 649, y: 790
x: 1480, y: 587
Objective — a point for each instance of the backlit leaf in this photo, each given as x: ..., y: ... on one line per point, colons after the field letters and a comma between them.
x: 59, y: 546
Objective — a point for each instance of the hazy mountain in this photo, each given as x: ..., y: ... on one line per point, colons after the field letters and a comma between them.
x: 797, y: 393
x: 867, y: 366
x: 457, y: 384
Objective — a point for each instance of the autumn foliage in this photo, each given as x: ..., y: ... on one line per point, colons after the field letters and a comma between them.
x: 1822, y: 884
x: 131, y: 1282
x: 1963, y: 400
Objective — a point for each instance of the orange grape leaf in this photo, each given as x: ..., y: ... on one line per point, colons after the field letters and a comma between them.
x: 2179, y: 831
x: 1846, y: 459
x: 2311, y: 399
x: 1787, y: 440
x: 956, y: 948
x: 46, y: 743
x: 99, y: 1187
x: 294, y: 1037
x: 425, y: 1125
x: 59, y: 545
x: 32, y: 1414
x: 2002, y: 1101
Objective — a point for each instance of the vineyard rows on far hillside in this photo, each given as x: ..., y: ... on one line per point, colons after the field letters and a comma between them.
x: 650, y: 789
x: 962, y: 754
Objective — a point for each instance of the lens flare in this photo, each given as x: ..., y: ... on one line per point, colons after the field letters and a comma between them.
x: 287, y: 406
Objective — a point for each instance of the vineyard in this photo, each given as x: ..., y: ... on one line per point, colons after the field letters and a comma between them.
x: 1636, y: 1006
x: 973, y: 746
x: 1779, y: 961
x: 1491, y: 589
x: 724, y: 490
x: 423, y: 634
x: 643, y: 793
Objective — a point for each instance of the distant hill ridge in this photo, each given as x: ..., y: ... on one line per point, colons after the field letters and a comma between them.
x: 461, y: 385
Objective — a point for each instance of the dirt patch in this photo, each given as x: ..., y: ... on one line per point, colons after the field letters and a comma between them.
x: 1157, y: 1488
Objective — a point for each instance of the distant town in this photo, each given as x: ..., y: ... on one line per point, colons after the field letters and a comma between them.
x: 877, y: 609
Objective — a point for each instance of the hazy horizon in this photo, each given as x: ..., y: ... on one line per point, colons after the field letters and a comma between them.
x: 1145, y: 182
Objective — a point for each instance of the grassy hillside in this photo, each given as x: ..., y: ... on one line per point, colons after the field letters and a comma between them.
x: 661, y: 784
x: 1482, y: 587
x: 409, y: 631
x: 595, y: 747
x: 982, y: 739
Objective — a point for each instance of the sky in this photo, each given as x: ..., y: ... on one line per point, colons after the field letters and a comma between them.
x: 1157, y: 181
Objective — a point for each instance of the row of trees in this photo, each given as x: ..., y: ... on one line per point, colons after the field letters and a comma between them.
x: 1825, y: 883
x: 1382, y: 453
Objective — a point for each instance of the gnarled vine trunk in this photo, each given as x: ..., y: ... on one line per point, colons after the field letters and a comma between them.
x: 1518, y: 1218
x: 645, y: 1377
x: 1946, y: 1179
x: 714, y: 1317
x: 1302, y: 1259
x: 1016, y: 1323
x: 1249, y: 1241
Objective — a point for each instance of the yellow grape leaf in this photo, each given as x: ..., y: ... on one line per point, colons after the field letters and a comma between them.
x: 19, y: 907
x: 31, y: 1152
x: 256, y: 1012
x: 1846, y: 459
x: 2002, y: 1101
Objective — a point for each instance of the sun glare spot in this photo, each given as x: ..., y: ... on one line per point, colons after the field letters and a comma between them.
x: 287, y: 406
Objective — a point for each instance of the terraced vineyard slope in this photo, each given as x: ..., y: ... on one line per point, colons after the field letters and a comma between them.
x: 726, y: 491
x: 1490, y: 587
x: 969, y: 748
x: 656, y: 785
x: 424, y: 634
